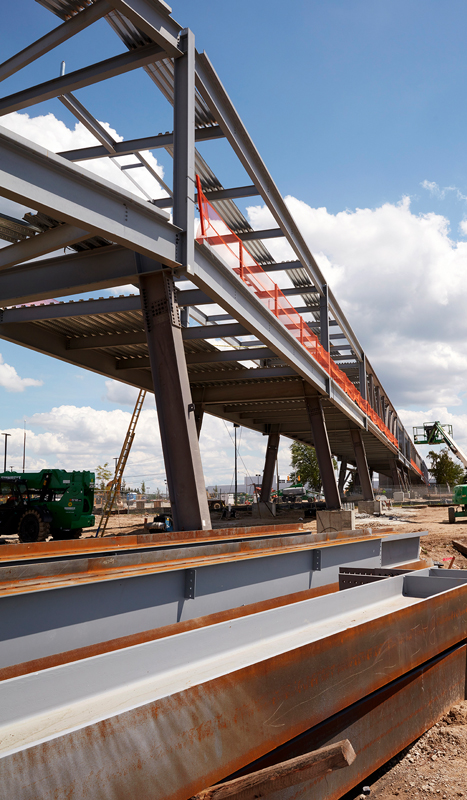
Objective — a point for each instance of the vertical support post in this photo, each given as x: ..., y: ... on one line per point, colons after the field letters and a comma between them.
x: 362, y: 464
x: 184, y: 149
x: 269, y: 464
x: 199, y: 415
x: 324, y: 319
x: 236, y: 425
x: 323, y: 452
x: 175, y: 409
x: 342, y: 474
x: 371, y: 397
x: 184, y: 316
x: 378, y: 401
x: 362, y: 379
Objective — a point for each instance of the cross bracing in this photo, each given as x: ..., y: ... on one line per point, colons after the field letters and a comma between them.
x: 231, y: 357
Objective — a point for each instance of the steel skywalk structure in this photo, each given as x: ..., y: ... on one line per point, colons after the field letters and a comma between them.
x: 242, y: 364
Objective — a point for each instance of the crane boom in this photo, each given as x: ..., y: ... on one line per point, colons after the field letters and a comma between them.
x: 436, y: 433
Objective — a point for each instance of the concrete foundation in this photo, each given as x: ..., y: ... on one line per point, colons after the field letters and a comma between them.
x: 335, y: 520
x: 263, y: 510
x: 369, y: 506
x: 398, y: 497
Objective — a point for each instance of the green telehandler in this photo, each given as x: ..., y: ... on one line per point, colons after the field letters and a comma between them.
x: 53, y: 502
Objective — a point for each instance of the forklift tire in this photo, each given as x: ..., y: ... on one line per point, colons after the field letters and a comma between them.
x: 451, y: 514
x: 59, y: 534
x: 31, y: 527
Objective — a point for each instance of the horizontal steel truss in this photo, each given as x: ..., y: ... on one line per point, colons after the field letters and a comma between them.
x: 281, y: 670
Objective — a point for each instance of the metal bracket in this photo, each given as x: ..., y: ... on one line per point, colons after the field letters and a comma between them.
x: 190, y: 584
x: 316, y: 560
x: 191, y: 408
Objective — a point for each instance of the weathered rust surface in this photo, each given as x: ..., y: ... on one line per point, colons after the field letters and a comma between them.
x: 113, y: 544
x: 176, y: 746
x: 379, y: 726
x: 159, y: 633
x: 29, y: 578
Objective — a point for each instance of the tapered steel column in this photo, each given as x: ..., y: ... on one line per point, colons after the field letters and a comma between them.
x: 269, y: 465
x: 175, y: 409
x: 323, y: 452
x: 199, y: 415
x: 342, y: 474
x: 362, y: 464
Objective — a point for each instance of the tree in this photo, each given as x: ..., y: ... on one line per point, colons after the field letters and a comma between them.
x: 305, y: 465
x: 103, y: 475
x: 143, y: 487
x: 444, y: 469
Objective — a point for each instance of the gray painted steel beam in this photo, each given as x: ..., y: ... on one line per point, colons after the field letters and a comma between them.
x: 159, y: 26
x: 270, y: 233
x: 40, y: 244
x: 243, y: 354
x: 32, y: 175
x: 52, y: 39
x: 175, y: 409
x: 139, y: 337
x: 231, y: 375
x: 220, y: 105
x: 82, y: 308
x: 184, y: 149
x: 323, y: 452
x: 362, y: 464
x: 230, y: 194
x: 53, y: 344
x: 131, y: 146
x: 103, y: 70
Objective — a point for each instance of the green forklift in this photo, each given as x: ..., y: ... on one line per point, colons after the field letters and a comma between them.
x: 52, y: 502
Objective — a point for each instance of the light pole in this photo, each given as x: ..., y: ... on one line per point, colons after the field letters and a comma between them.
x: 236, y: 425
x: 6, y: 449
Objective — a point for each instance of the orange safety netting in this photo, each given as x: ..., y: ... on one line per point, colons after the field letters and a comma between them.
x: 417, y: 469
x: 214, y: 232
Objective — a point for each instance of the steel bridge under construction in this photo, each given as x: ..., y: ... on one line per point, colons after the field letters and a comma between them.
x: 187, y: 665
x: 203, y: 333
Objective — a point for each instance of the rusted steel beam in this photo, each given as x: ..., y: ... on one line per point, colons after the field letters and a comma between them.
x: 192, y: 739
x: 380, y: 725
x: 280, y: 776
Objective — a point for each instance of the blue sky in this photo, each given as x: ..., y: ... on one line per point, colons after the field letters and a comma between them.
x: 358, y: 110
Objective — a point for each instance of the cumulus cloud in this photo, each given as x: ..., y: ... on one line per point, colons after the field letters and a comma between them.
x: 400, y: 280
x: 56, y: 136
x: 11, y: 381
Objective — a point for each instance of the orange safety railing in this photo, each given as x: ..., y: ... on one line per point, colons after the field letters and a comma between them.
x: 417, y: 469
x: 214, y: 232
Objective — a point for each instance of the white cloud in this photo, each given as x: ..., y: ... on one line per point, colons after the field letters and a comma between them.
x: 52, y: 133
x: 400, y: 280
x: 11, y: 381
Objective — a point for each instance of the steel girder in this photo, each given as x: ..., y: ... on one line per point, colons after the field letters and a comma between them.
x: 276, y: 674
x: 30, y: 174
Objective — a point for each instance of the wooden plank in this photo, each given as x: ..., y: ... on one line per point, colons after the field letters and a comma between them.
x: 280, y: 776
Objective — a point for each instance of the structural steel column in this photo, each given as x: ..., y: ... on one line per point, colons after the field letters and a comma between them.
x: 342, y: 474
x: 175, y: 409
x: 362, y: 377
x: 269, y: 465
x: 324, y: 319
x: 323, y: 452
x: 362, y: 464
x: 184, y: 149
x: 199, y: 414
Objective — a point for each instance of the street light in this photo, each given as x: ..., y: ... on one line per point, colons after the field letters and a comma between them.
x: 6, y: 448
